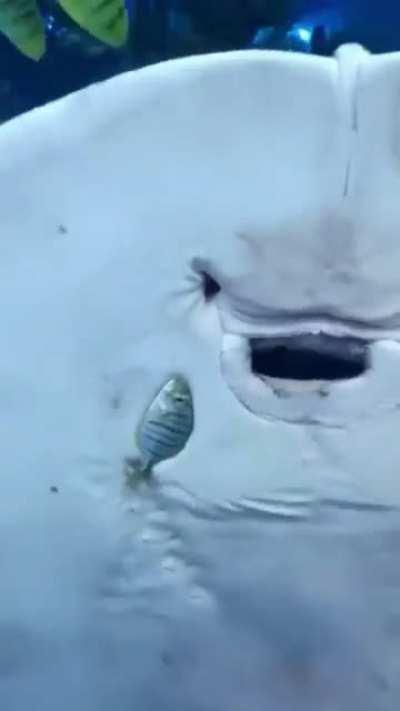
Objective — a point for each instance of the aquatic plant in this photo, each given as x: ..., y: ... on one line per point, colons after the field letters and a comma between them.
x: 21, y: 21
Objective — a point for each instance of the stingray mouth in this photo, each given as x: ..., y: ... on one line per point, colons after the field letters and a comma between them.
x: 309, y: 357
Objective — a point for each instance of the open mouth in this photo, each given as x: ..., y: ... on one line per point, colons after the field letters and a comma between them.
x: 309, y: 357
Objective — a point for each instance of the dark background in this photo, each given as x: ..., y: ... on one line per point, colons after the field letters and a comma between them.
x: 162, y: 29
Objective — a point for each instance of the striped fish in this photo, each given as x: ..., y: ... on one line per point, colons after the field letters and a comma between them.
x: 21, y: 22
x: 107, y: 20
x: 165, y: 428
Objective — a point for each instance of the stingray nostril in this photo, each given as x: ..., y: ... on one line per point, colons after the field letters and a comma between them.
x: 210, y: 286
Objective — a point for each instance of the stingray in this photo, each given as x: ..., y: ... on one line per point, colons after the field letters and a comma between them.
x: 228, y: 217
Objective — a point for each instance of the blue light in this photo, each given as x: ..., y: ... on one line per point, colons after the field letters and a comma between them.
x: 50, y: 22
x: 304, y: 34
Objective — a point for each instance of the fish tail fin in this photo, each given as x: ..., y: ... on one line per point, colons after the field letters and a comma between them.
x: 136, y: 471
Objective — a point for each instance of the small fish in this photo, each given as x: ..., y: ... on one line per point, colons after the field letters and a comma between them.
x: 107, y: 20
x: 165, y: 429
x: 21, y: 22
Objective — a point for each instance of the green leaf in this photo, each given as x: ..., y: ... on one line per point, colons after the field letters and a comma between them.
x: 21, y: 22
x: 107, y: 20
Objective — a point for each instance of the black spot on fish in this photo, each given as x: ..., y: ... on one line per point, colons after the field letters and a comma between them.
x: 54, y: 489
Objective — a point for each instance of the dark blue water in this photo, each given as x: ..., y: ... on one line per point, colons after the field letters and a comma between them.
x: 162, y: 29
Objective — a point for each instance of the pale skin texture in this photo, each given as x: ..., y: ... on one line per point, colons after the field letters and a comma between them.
x: 260, y: 567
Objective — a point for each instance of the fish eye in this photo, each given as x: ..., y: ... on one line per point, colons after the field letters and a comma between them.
x: 179, y: 398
